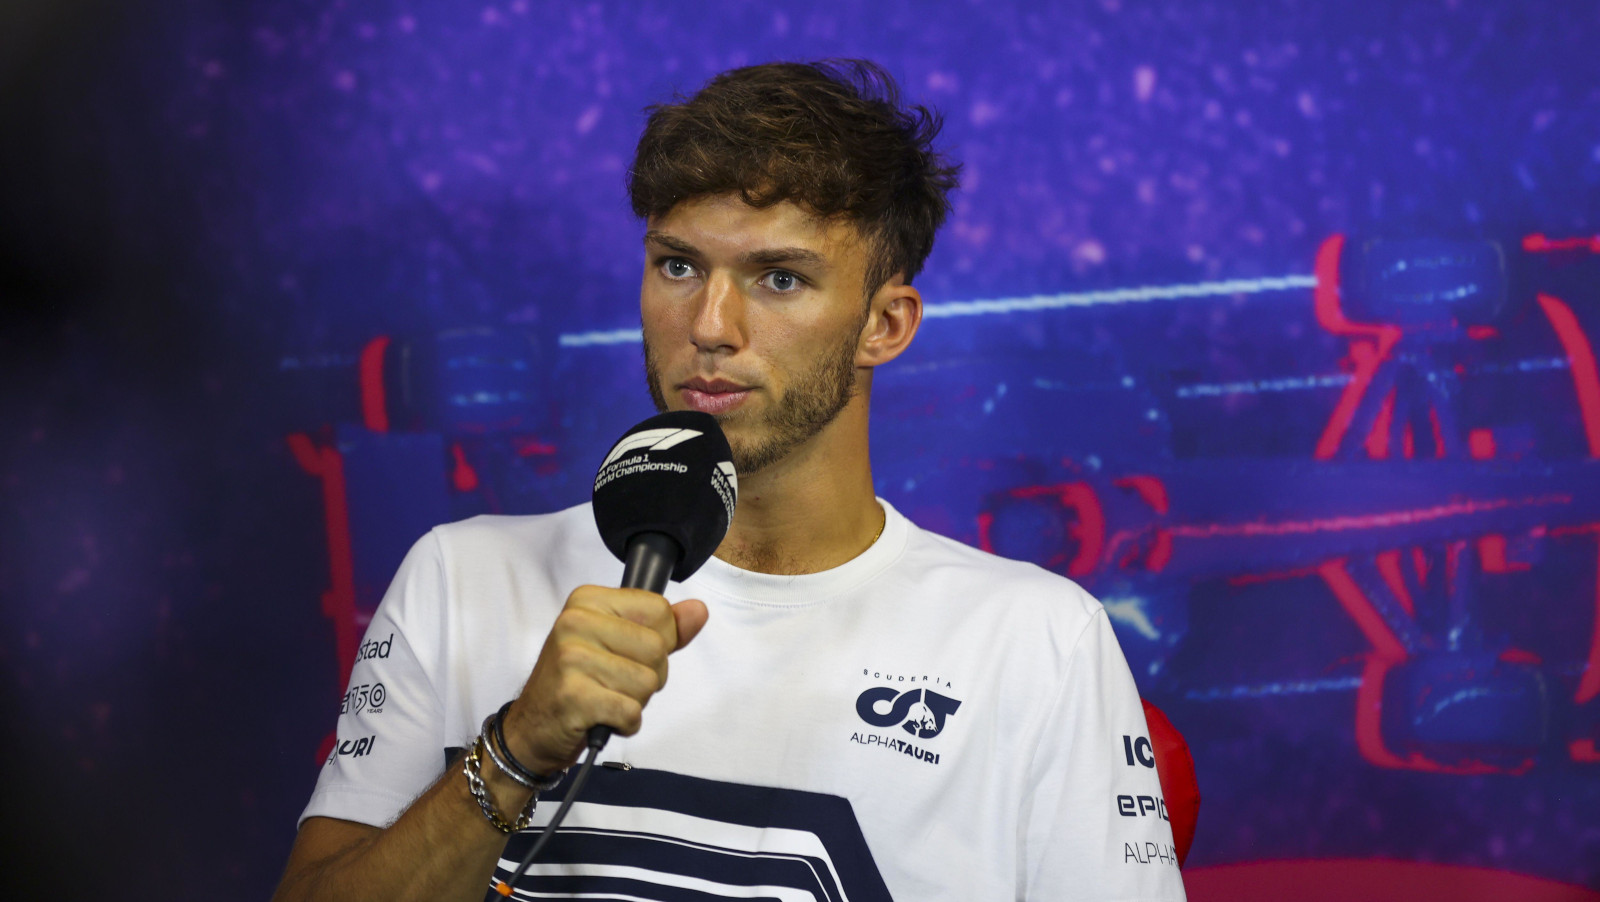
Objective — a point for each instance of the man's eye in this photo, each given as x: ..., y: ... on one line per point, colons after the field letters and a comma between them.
x: 677, y: 268
x: 783, y: 282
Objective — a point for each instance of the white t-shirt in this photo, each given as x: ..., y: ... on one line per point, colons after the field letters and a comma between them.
x: 926, y: 721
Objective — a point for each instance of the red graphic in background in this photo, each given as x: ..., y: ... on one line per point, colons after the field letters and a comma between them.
x: 339, y: 601
x: 1374, y: 349
x: 1539, y: 244
x: 1371, y: 347
x: 374, y: 403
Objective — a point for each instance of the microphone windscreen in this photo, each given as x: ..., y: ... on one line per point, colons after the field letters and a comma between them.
x: 671, y: 474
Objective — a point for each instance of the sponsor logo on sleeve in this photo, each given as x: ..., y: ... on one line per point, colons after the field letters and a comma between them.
x: 919, y: 712
x: 1149, y: 853
x: 1141, y: 806
x: 375, y: 650
x: 1137, y: 751
x: 353, y: 748
x: 368, y: 697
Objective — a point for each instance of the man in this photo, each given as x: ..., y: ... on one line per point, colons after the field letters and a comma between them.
x: 858, y: 709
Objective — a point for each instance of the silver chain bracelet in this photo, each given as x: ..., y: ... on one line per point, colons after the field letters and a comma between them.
x: 472, y: 766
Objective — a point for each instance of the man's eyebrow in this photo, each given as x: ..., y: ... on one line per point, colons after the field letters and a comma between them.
x: 670, y: 243
x: 771, y: 256
x: 763, y: 257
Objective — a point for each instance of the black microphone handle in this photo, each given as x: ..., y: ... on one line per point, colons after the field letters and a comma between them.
x: 651, y: 558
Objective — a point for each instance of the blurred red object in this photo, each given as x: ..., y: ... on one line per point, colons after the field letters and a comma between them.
x: 1175, y: 767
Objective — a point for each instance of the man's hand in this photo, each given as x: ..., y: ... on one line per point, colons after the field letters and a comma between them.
x: 604, y: 658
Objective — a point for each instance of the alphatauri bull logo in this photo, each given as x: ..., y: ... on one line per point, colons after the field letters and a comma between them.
x: 920, y: 712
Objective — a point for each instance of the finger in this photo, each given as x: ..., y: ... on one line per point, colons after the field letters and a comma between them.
x: 620, y: 637
x: 631, y: 678
x: 582, y: 698
x: 601, y: 671
x: 690, y: 616
x: 636, y: 605
x: 622, y: 713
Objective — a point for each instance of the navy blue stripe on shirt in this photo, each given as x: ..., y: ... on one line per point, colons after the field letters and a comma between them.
x: 829, y: 818
x: 670, y: 855
x: 626, y: 890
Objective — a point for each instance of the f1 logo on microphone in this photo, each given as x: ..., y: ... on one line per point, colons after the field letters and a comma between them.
x: 650, y: 440
x: 1138, y: 748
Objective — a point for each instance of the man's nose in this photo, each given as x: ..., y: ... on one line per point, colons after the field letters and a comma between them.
x: 719, y: 321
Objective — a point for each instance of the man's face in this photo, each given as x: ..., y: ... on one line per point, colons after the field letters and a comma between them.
x: 753, y: 316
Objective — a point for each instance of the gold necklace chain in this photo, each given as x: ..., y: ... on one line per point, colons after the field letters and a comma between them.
x: 879, y: 534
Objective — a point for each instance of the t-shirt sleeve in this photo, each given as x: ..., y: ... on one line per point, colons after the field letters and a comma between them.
x: 389, y: 744
x: 1095, y: 825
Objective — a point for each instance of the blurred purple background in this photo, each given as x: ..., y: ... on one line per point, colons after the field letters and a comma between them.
x: 210, y: 208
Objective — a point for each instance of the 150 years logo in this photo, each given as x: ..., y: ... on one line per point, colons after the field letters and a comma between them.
x: 367, y: 697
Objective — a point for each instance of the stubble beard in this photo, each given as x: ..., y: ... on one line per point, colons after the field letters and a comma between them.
x: 814, y: 399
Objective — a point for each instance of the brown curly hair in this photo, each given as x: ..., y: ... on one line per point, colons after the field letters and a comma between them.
x: 829, y: 136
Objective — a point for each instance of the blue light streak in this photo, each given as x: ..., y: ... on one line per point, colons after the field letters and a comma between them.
x: 1287, y: 383
x: 1535, y: 365
x: 607, y: 337
x: 1117, y: 296
x: 1030, y: 304
x: 1266, y: 690
x: 1339, y: 380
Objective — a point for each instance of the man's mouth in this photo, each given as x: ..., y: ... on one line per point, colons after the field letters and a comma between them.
x: 713, y: 396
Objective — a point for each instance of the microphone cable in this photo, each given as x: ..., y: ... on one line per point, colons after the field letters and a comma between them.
x: 596, y: 741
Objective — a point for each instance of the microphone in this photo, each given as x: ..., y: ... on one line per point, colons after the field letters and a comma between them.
x: 663, y: 499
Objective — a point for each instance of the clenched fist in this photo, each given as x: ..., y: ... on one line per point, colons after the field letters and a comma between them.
x: 604, y: 658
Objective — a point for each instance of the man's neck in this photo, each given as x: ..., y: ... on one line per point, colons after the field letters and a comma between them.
x: 809, y: 512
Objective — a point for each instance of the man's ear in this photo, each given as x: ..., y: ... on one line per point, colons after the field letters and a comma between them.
x: 893, y: 315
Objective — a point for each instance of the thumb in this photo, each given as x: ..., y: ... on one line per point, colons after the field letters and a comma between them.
x: 690, y: 615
